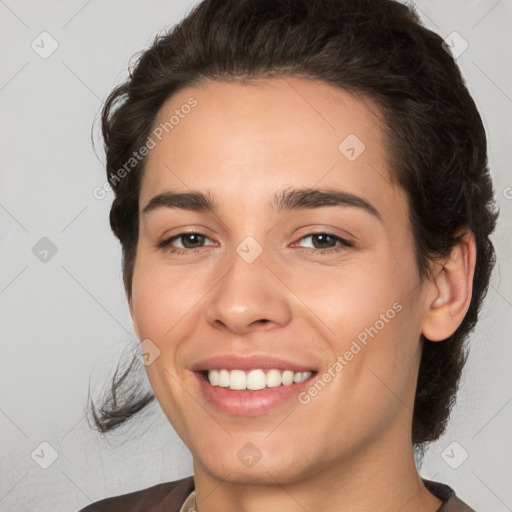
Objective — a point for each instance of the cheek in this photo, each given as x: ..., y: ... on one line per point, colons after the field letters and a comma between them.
x: 163, y: 308
x: 373, y: 316
x: 163, y: 296
x: 353, y: 297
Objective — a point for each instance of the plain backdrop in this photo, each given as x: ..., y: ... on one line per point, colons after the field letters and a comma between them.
x: 64, y: 317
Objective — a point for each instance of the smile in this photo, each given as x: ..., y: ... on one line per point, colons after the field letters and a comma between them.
x: 248, y: 393
x: 254, y: 380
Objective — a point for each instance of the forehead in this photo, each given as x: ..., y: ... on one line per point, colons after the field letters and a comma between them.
x: 246, y: 141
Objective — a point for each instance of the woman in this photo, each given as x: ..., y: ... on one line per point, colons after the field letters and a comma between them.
x: 304, y: 206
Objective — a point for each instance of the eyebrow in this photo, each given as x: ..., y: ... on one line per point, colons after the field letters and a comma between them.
x: 285, y: 201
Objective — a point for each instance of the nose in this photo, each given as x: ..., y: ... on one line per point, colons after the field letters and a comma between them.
x: 249, y: 297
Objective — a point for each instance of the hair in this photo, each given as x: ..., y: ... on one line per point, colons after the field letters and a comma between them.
x: 375, y: 49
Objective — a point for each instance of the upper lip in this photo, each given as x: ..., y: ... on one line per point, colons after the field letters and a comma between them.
x: 250, y: 362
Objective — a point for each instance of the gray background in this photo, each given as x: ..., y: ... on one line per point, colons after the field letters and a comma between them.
x: 64, y: 317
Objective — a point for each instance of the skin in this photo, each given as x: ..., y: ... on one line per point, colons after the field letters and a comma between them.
x: 349, y: 448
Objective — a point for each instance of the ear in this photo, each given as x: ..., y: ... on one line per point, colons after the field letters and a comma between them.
x: 450, y: 294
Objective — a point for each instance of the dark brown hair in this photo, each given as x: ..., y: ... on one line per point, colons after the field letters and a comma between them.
x: 373, y: 48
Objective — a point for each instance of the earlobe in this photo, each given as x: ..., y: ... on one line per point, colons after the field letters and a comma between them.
x: 452, y: 289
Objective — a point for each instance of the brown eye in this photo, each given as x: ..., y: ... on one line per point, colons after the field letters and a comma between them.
x: 184, y: 242
x: 190, y: 240
x: 326, y: 242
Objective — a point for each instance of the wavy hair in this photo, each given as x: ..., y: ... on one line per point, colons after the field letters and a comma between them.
x: 373, y: 48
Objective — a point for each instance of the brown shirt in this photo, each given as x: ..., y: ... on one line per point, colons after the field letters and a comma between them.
x: 178, y: 496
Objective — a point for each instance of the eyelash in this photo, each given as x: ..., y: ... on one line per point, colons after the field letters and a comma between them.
x: 166, y: 247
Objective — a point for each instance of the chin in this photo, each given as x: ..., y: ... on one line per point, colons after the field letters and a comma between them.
x: 267, y: 470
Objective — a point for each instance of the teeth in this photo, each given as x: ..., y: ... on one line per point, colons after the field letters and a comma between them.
x: 237, y: 380
x: 287, y: 377
x: 254, y: 380
x: 300, y: 376
x: 224, y: 379
x: 273, y: 378
x: 213, y: 376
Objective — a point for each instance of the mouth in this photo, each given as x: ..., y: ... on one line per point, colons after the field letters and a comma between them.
x: 255, y: 379
x: 254, y: 392
x: 251, y: 385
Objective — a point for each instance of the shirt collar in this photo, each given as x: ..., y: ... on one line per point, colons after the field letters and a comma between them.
x: 190, y: 503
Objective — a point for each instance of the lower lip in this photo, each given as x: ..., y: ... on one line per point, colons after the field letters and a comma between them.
x: 250, y: 403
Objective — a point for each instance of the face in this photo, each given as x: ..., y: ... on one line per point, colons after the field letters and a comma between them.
x: 251, y: 281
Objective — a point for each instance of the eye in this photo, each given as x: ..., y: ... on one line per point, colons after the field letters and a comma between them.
x: 190, y: 243
x: 326, y: 242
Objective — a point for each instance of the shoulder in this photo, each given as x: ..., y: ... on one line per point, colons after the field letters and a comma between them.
x: 165, y: 497
x: 451, y: 502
